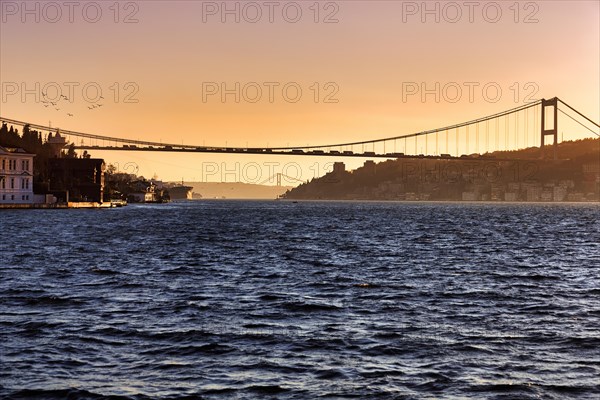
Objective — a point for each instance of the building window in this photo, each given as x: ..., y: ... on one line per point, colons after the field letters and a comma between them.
x: 3, y: 164
x: 26, y: 183
x: 12, y: 183
x: 3, y: 197
x: 12, y: 196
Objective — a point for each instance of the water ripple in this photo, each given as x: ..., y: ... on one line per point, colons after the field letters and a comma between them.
x: 228, y: 300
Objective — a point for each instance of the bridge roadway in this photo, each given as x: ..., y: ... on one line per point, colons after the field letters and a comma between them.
x: 297, y: 152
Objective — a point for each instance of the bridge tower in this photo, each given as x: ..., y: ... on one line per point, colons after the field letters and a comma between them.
x: 554, y: 131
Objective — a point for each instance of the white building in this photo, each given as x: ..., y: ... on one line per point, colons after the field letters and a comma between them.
x: 16, y: 176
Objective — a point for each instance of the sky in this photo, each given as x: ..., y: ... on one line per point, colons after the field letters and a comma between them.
x: 280, y: 73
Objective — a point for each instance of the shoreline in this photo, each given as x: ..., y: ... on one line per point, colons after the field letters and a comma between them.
x: 59, y: 206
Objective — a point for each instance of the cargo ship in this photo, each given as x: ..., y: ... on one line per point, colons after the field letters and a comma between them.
x: 180, y: 192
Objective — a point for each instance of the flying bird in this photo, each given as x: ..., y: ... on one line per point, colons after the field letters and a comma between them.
x: 69, y: 114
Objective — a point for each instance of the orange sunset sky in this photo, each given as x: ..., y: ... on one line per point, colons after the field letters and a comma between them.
x: 164, y: 55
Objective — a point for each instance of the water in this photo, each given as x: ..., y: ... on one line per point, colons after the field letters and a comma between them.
x: 236, y: 300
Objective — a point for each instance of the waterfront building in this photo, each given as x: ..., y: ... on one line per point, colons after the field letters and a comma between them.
x: 339, y: 168
x: 145, y: 192
x: 559, y: 193
x: 77, y: 179
x: 469, y: 196
x: 16, y: 176
x: 511, y: 196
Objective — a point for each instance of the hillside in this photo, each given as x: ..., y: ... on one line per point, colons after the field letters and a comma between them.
x: 574, y: 177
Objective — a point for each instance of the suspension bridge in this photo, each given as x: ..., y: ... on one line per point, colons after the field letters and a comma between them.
x: 528, y: 125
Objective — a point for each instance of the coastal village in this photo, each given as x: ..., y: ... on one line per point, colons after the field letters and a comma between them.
x: 520, y: 176
x: 48, y: 173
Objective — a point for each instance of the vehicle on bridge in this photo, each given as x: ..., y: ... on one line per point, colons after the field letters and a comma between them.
x: 298, y: 151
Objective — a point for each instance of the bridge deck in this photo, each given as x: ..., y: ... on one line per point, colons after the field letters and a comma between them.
x: 296, y: 153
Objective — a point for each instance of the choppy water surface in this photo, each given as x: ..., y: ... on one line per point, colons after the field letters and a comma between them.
x: 235, y: 300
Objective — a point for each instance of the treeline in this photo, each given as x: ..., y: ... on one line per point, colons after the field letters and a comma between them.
x: 32, y: 141
x: 565, y: 150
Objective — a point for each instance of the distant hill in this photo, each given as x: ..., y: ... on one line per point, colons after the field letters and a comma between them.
x: 575, y: 176
x: 237, y: 190
x: 565, y: 150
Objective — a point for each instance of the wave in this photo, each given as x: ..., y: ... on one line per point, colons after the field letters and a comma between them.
x: 62, y: 394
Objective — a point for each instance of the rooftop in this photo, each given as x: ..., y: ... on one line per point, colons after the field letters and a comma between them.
x: 14, y: 150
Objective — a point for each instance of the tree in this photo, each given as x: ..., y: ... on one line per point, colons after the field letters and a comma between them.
x: 3, y: 132
x: 71, y: 152
x: 10, y: 138
x: 110, y: 169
